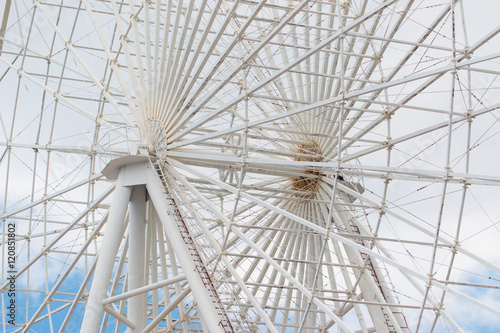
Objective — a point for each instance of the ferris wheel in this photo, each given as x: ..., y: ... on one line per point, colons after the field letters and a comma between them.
x: 250, y: 166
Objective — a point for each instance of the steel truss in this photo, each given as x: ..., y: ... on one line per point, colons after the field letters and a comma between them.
x: 245, y: 166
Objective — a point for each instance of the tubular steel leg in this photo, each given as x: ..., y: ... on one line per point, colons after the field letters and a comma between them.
x: 136, y: 257
x: 106, y: 258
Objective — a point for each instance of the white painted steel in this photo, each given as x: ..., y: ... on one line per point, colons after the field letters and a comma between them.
x: 205, y: 304
x: 137, y: 305
x: 286, y: 166
x: 107, y: 255
x: 143, y: 289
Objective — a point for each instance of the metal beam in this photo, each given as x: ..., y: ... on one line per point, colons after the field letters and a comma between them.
x: 137, y: 304
x: 107, y: 254
x: 205, y: 303
x: 5, y: 19
x: 144, y: 289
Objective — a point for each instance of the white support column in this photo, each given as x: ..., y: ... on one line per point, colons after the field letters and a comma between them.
x: 106, y: 259
x: 136, y: 257
x: 206, y: 306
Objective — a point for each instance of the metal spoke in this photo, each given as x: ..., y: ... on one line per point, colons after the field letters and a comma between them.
x: 249, y: 166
